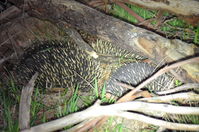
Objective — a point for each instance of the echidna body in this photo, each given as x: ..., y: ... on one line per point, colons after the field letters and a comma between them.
x: 135, y: 73
x: 107, y: 49
x: 59, y: 64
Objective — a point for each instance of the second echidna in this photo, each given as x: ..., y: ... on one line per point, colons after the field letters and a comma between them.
x: 135, y: 73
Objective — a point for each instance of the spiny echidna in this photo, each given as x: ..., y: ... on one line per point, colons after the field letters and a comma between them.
x: 63, y: 64
x: 106, y: 49
x: 59, y: 64
x: 135, y: 73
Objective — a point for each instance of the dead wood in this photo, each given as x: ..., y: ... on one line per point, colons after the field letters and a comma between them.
x: 120, y: 110
x: 190, y: 96
x: 180, y: 88
x: 175, y: 6
x: 9, y: 13
x: 25, y: 102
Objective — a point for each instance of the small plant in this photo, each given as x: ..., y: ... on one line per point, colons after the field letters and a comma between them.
x: 72, y: 107
x: 36, y: 106
x: 178, y: 83
x: 69, y: 106
x: 9, y: 108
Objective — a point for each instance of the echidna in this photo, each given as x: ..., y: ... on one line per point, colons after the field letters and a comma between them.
x: 59, y: 64
x: 64, y: 64
x: 135, y: 73
x: 107, y: 49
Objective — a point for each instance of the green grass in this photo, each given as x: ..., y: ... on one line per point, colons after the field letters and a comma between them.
x: 196, y: 37
x: 73, y: 102
x: 9, y: 108
x: 109, y: 127
x: 36, y: 106
x: 121, y: 13
x: 11, y: 124
x: 177, y: 83
x: 173, y: 28
x: 68, y: 105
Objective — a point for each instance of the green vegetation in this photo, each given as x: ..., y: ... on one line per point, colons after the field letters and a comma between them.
x: 41, y: 112
x: 172, y: 27
x: 178, y: 83
x: 9, y: 103
x: 121, y: 13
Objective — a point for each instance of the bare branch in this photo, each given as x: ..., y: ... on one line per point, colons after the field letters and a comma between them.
x: 161, y: 129
x: 6, y: 58
x: 120, y: 110
x: 190, y: 96
x: 180, y: 88
x: 83, y: 126
x: 9, y: 13
x: 175, y: 6
x: 158, y: 122
x: 25, y: 102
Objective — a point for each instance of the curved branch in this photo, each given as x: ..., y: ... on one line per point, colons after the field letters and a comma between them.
x: 190, y: 96
x: 25, y: 102
x: 120, y: 110
x: 175, y: 6
x: 180, y: 88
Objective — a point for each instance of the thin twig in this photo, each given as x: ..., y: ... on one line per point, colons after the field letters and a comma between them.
x: 77, y: 128
x: 122, y: 5
x: 161, y: 129
x: 179, y: 88
x: 9, y: 13
x: 12, y: 36
x: 191, y: 96
x: 6, y: 58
